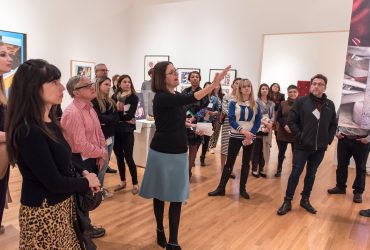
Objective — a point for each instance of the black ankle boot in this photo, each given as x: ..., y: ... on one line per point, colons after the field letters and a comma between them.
x: 171, y: 246
x: 243, y: 180
x: 161, y: 238
x: 220, y: 190
x: 244, y: 194
x: 286, y: 207
x: 305, y: 203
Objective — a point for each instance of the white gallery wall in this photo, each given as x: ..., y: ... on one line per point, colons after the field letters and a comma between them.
x: 213, y: 33
x: 291, y: 57
x: 59, y: 31
x: 195, y: 33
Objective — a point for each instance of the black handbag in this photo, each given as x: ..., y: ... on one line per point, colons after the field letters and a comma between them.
x: 89, y: 201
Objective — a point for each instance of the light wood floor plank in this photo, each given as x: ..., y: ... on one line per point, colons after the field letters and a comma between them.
x: 227, y: 222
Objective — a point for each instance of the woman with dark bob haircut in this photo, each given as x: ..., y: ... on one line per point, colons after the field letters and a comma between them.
x: 36, y: 143
x: 166, y: 176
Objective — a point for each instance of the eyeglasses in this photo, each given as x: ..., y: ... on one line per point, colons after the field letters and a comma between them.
x: 105, y: 70
x: 91, y: 85
x: 173, y: 72
x: 318, y: 84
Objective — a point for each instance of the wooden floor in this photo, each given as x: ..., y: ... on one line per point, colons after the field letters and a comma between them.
x: 227, y: 222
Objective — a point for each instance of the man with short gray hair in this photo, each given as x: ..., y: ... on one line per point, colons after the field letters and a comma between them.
x: 81, y: 129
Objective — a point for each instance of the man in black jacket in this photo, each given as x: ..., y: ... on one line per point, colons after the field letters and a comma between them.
x: 313, y: 123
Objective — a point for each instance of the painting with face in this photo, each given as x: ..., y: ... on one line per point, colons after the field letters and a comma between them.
x: 16, y: 44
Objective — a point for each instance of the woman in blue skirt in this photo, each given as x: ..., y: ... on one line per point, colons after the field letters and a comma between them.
x: 166, y: 176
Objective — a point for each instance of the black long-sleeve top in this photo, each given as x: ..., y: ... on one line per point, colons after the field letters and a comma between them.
x: 169, y: 115
x: 108, y: 120
x: 125, y: 116
x: 45, y: 166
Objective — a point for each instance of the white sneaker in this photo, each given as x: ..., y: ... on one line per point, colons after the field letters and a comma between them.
x: 107, y: 193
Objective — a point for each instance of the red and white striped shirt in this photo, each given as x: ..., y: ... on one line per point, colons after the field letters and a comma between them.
x: 81, y: 129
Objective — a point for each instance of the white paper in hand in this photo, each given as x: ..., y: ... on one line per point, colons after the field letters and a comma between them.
x: 205, y: 128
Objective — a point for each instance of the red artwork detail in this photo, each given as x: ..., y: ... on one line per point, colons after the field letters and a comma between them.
x: 303, y: 88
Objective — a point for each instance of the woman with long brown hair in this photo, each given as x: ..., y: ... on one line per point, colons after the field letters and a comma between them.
x: 5, y: 67
x: 49, y: 182
x: 106, y: 110
x: 127, y: 101
x: 262, y: 144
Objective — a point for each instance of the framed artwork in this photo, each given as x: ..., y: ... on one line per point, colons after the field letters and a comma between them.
x: 228, y: 79
x: 150, y: 61
x: 183, y: 77
x: 17, y: 46
x: 140, y: 111
x: 83, y: 68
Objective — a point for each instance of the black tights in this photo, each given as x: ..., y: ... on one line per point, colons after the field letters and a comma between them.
x: 173, y: 216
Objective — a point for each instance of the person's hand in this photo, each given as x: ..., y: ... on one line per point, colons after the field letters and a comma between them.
x: 247, y: 142
x: 339, y: 135
x: 2, y: 136
x: 269, y: 125
x: 93, y: 180
x: 84, y: 173
x: 100, y: 163
x: 248, y: 135
x: 220, y: 76
x: 363, y: 140
x: 198, y: 132
x: 287, y: 129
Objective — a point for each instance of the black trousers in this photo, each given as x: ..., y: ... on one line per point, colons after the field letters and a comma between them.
x: 300, y: 157
x: 232, y: 153
x: 258, y: 161
x: 123, y: 149
x: 282, y: 146
x: 3, y: 191
x: 360, y: 151
x: 205, y: 145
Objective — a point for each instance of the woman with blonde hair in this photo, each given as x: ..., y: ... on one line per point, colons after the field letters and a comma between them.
x: 5, y: 67
x: 245, y: 119
x: 106, y: 110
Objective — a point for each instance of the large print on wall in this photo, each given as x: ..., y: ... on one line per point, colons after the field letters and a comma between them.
x: 354, y: 110
x: 150, y: 61
x: 16, y: 43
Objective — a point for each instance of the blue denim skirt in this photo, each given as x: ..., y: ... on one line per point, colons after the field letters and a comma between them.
x: 166, y: 177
